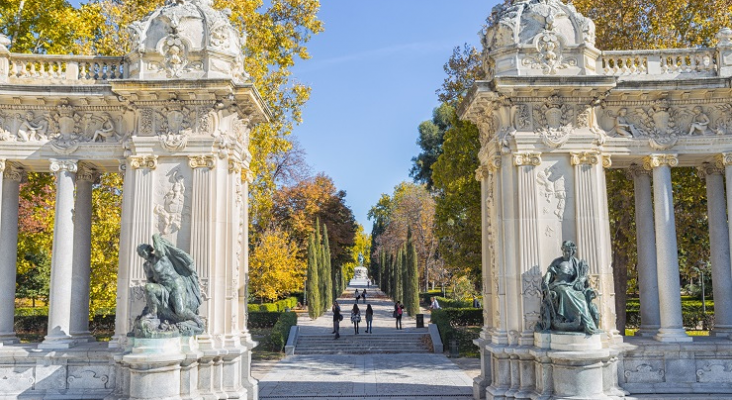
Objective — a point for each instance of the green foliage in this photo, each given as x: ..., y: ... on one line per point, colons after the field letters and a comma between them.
x: 34, y: 283
x: 326, y: 274
x: 455, y: 323
x: 281, y: 330
x: 313, y: 286
x: 263, y: 319
x: 399, y: 276
x: 454, y: 303
x: 430, y: 139
x: 411, y: 296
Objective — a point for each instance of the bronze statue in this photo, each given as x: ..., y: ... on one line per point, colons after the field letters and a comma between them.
x: 566, y: 304
x: 172, y: 292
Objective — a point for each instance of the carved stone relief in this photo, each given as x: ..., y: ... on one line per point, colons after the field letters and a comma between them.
x: 644, y: 373
x: 553, y: 121
x: 715, y: 373
x: 552, y: 189
x: 170, y: 213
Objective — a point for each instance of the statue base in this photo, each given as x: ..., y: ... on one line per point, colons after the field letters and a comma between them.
x: 152, y: 368
x: 575, y: 366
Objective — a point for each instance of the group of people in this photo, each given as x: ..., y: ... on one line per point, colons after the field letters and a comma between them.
x: 355, y: 318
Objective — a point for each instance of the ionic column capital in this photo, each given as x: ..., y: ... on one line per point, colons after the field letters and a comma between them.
x: 660, y: 160
x: 203, y: 161
x: 88, y: 173
x: 527, y: 158
x: 234, y: 166
x: 481, y: 173
x: 636, y: 170
x: 138, y: 162
x: 14, y: 172
x: 723, y: 160
x: 249, y: 175
x: 64, y: 165
x: 591, y: 158
x: 708, y: 168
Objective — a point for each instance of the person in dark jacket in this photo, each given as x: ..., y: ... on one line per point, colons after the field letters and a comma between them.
x: 336, y: 319
x: 355, y: 317
x: 369, y: 319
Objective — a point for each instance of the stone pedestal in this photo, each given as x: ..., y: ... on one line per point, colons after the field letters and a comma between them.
x: 574, y: 366
x: 154, y: 369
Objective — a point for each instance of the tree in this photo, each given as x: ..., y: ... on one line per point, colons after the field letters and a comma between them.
x: 399, y: 275
x: 430, y: 141
x: 313, y: 284
x: 411, y: 296
x: 326, y: 274
x: 34, y: 283
x: 275, y: 269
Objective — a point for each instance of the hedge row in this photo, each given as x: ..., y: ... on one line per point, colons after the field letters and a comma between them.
x: 43, y: 311
x: 450, y: 303
x: 278, y: 306
x: 263, y: 319
x: 38, y: 324
x: 691, y: 319
x: 281, y: 330
x: 453, y: 323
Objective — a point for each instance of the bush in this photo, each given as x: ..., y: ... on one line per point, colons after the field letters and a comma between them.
x: 426, y: 297
x: 262, y: 319
x: 450, y: 303
x: 454, y: 323
x: 102, y: 325
x: 281, y: 330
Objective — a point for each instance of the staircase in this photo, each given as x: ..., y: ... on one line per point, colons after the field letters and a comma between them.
x: 364, y: 344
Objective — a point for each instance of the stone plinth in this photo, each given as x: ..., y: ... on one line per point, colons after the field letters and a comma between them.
x: 155, y: 369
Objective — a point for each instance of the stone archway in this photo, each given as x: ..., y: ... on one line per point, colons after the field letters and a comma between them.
x: 173, y: 117
x: 553, y: 113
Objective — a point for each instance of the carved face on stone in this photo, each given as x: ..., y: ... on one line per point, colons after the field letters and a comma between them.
x: 569, y: 249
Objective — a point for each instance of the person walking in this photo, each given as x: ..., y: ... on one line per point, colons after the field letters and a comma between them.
x: 369, y: 319
x: 398, y: 311
x: 357, y: 296
x: 355, y: 317
x: 337, y: 318
x: 363, y: 296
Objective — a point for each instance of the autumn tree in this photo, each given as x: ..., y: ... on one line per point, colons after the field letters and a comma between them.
x: 275, y: 270
x: 361, y: 246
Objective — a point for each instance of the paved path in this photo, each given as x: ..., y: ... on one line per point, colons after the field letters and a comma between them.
x: 371, y: 376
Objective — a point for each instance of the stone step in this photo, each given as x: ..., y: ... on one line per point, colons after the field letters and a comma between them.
x: 363, y: 344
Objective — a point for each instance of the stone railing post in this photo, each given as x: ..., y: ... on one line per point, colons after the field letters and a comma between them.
x: 72, y: 70
x: 4, y: 58
x: 724, y: 52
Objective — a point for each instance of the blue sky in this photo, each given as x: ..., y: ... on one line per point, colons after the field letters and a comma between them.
x: 373, y: 73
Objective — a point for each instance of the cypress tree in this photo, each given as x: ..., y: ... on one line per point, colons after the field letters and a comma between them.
x: 398, y: 276
x: 327, y: 274
x: 389, y: 275
x: 412, y: 292
x: 313, y: 287
x: 405, y: 276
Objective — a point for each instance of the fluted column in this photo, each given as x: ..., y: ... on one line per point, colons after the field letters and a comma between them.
x: 646, y: 243
x: 669, y: 286
x: 11, y: 175
x: 59, y: 310
x: 719, y: 242
x: 81, y: 267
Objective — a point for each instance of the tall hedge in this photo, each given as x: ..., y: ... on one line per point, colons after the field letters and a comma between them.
x: 326, y: 274
x: 313, y: 287
x: 411, y: 295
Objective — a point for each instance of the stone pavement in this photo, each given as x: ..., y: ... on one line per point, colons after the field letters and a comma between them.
x: 372, y: 376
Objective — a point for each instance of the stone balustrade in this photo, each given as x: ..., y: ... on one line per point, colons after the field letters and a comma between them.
x: 42, y: 69
x: 638, y: 63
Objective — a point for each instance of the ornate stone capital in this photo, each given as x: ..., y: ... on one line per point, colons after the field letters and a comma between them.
x: 708, y: 168
x: 88, y: 173
x: 234, y: 166
x: 659, y: 160
x: 494, y: 163
x: 636, y: 170
x: 248, y: 174
x: 137, y: 162
x: 723, y: 160
x: 588, y: 157
x: 481, y: 173
x: 206, y: 161
x: 64, y: 165
x: 528, y: 158
x: 14, y: 172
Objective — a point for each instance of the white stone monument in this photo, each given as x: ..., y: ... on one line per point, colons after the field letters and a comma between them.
x: 554, y: 112
x: 174, y: 117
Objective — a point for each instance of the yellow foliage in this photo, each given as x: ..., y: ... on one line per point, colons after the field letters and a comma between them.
x: 275, y: 269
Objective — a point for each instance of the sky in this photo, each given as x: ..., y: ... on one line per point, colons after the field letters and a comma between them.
x: 373, y: 74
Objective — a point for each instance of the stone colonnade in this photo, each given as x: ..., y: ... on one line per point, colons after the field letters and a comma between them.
x: 658, y: 267
x: 68, y: 317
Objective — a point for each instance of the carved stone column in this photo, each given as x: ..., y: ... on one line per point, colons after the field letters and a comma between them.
x: 646, y: 243
x: 11, y: 175
x: 719, y: 247
x: 593, y: 229
x: 81, y: 274
x: 247, y: 379
x: 136, y: 228
x: 669, y: 286
x: 59, y: 310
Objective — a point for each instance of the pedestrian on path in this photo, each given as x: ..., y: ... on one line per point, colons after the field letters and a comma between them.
x: 434, y: 305
x: 369, y: 319
x: 398, y: 311
x: 355, y: 317
x: 337, y: 318
x: 363, y: 296
x: 357, y: 296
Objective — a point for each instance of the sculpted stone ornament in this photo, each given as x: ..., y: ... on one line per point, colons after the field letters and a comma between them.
x: 172, y: 293
x: 566, y: 304
x: 553, y: 121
